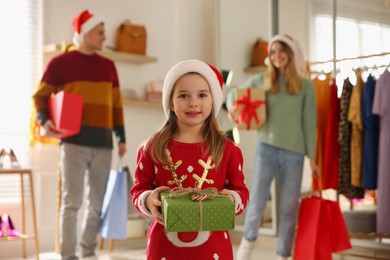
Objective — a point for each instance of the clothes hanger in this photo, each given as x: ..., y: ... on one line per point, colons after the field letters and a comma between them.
x: 375, y: 72
x: 353, y: 76
x: 322, y: 75
x: 364, y: 73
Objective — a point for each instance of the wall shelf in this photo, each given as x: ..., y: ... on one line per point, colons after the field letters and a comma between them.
x: 255, y: 69
x: 52, y: 50
x: 141, y: 103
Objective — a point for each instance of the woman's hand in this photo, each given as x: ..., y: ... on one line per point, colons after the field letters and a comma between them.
x: 232, y: 116
x: 153, y: 203
x: 314, y: 168
x: 227, y: 193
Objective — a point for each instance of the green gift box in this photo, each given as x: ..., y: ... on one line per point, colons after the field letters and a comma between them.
x: 182, y: 214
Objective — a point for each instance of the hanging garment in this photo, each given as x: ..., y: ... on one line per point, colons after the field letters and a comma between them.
x: 381, y: 107
x: 354, y: 116
x: 331, y: 149
x: 345, y: 186
x: 371, y: 137
x: 322, y: 92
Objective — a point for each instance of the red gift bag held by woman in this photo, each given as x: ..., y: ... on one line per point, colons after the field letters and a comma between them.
x: 321, y: 230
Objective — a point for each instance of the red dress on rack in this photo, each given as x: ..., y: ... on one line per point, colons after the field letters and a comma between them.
x: 331, y: 150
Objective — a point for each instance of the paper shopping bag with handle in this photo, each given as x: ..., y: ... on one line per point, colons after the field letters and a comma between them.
x: 338, y: 230
x: 115, y: 205
x: 313, y: 237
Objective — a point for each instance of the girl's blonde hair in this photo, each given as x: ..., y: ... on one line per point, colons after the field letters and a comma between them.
x: 293, y: 79
x: 212, y: 135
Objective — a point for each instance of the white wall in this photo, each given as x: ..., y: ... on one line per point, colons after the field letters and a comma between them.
x: 240, y: 24
x: 176, y: 30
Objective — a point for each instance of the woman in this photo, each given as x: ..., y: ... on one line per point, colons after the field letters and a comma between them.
x: 284, y: 140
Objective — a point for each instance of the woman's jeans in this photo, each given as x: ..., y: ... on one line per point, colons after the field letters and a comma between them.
x: 268, y: 160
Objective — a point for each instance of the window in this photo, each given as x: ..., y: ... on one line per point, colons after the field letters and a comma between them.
x: 19, y: 71
x: 362, y: 29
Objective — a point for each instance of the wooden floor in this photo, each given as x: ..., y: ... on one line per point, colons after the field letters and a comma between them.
x: 264, y: 250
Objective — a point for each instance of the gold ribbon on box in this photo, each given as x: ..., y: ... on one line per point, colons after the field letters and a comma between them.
x: 197, y: 195
x: 248, y: 111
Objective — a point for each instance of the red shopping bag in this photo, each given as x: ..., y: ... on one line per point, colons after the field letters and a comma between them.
x: 313, y: 240
x: 321, y: 230
x: 338, y: 232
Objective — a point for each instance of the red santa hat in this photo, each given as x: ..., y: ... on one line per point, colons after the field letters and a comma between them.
x: 82, y: 24
x: 293, y: 44
x: 209, y: 72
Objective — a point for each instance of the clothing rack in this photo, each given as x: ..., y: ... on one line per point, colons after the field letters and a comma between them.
x: 350, y: 58
x: 368, y: 237
x: 309, y: 71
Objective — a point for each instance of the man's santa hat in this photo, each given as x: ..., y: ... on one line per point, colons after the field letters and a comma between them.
x: 82, y: 24
x: 209, y: 72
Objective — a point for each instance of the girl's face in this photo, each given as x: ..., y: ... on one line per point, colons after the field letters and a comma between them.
x: 192, y: 100
x: 279, y: 57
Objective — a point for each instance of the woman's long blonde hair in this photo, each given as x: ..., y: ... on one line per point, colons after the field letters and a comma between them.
x: 293, y: 79
x: 212, y: 135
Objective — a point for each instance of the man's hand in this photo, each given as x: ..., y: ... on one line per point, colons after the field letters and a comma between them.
x: 48, y: 129
x: 122, y: 149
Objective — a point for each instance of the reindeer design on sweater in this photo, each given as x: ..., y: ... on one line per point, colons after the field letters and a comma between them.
x: 172, y: 167
x: 206, y: 167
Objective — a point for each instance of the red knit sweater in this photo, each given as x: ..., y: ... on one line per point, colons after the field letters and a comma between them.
x: 95, y: 78
x: 190, y: 162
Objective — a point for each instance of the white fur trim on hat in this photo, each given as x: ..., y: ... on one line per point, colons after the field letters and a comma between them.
x: 86, y: 27
x: 185, y: 67
x: 294, y: 46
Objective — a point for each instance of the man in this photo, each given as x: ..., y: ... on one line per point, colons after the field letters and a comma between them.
x: 88, y: 153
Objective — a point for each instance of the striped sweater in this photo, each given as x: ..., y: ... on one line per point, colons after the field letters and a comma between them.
x: 95, y: 78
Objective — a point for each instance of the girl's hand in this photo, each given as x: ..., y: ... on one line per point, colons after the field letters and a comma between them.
x: 153, y: 203
x: 227, y: 193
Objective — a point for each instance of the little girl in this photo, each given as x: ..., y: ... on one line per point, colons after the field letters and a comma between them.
x: 189, y: 151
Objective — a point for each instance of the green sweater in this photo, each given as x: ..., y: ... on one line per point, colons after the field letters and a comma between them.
x: 291, y: 118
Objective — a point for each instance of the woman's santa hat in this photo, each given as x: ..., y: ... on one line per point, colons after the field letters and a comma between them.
x: 209, y: 72
x: 82, y: 24
x: 293, y: 44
